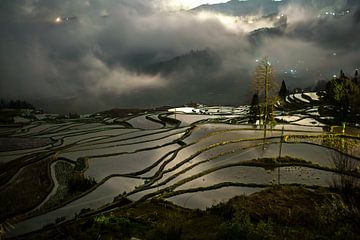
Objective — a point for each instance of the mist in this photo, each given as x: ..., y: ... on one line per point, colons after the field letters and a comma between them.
x: 93, y: 58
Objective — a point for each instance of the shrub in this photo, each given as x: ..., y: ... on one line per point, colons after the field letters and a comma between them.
x: 80, y: 164
x: 79, y: 183
x: 120, y: 226
x: 243, y: 228
x: 166, y: 231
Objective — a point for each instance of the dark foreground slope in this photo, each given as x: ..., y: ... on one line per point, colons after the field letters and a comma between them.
x: 275, y: 213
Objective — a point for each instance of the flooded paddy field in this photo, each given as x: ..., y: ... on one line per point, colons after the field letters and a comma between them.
x: 192, y: 157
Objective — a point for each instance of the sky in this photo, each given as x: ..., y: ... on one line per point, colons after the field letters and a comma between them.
x: 87, y: 56
x: 187, y: 4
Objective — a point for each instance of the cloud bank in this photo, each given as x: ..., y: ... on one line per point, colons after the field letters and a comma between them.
x: 93, y: 59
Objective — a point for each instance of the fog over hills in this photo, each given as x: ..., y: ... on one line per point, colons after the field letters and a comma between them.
x: 87, y: 56
x: 267, y: 7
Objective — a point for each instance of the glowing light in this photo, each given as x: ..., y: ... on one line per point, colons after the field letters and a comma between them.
x: 58, y: 20
x: 229, y: 22
x: 236, y: 24
x: 334, y: 76
x: 104, y: 13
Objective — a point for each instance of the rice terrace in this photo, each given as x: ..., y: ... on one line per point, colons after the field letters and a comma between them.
x: 180, y: 120
x: 194, y: 157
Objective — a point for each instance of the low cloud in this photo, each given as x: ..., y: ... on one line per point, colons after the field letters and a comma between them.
x: 93, y: 58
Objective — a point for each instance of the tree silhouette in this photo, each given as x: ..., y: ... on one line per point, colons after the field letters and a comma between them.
x: 356, y: 77
x: 283, y: 90
x: 344, y: 95
x: 254, y: 109
x: 264, y: 84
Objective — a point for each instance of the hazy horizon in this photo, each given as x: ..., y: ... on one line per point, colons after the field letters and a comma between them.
x: 87, y: 56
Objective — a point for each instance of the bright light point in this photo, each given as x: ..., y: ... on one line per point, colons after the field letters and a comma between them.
x: 58, y: 20
x: 250, y: 21
x: 334, y: 76
x: 257, y: 60
x: 334, y: 54
x: 104, y: 13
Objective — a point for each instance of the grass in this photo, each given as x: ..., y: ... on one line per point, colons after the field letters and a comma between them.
x: 286, y: 159
x: 275, y: 213
x: 32, y: 183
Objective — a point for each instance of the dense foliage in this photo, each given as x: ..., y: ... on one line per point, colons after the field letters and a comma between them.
x: 15, y: 104
x: 78, y: 183
x: 342, y: 96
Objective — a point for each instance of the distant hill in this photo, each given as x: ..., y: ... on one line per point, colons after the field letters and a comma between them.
x: 256, y: 37
x: 243, y: 8
x: 268, y: 7
x: 15, y: 104
x: 195, y: 62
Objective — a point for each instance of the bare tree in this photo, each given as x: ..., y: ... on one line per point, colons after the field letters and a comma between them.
x: 265, y: 85
x: 345, y: 180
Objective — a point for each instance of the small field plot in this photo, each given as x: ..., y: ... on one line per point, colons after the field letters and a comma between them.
x: 313, y: 96
x: 38, y: 129
x: 18, y: 143
x: 100, y: 168
x: 206, y: 199
x: 299, y: 97
x: 12, y: 155
x: 129, y: 140
x: 94, y: 136
x: 203, y: 130
x: 309, y: 122
x: 305, y: 175
x: 111, y: 150
x: 188, y: 119
x: 246, y: 175
x: 289, y: 127
x: 104, y: 194
x: 143, y: 122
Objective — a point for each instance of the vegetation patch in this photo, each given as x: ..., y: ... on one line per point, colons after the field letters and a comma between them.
x: 286, y: 159
x: 32, y: 183
x: 63, y: 172
x: 290, y: 212
x: 80, y: 164
x: 78, y: 183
